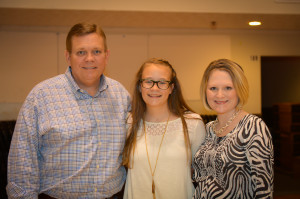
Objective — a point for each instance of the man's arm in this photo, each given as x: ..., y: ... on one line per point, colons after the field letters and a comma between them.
x: 23, y: 169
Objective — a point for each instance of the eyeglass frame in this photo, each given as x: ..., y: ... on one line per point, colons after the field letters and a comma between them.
x: 156, y: 82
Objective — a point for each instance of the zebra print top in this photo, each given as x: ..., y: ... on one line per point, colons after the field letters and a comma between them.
x: 238, y: 165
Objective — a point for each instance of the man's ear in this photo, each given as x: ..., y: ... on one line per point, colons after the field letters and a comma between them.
x: 68, y: 57
x: 107, y: 53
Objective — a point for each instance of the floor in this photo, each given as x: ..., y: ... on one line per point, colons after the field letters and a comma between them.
x: 287, y: 197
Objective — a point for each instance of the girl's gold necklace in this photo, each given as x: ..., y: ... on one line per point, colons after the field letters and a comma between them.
x: 153, y: 172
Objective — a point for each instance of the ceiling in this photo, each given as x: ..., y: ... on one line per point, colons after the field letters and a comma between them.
x: 147, y: 19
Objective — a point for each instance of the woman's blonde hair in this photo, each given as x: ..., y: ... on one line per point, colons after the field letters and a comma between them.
x: 237, y: 75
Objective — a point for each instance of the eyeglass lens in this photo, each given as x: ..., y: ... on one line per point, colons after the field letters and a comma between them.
x: 160, y: 84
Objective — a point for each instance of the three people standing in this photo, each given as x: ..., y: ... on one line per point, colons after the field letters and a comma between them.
x: 71, y: 130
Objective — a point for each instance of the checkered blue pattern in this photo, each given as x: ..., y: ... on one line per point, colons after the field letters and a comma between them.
x: 68, y: 144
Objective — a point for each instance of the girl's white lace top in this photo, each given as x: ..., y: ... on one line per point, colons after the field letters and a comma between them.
x: 173, y: 172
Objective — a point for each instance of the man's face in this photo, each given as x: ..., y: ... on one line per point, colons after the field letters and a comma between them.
x: 87, y: 60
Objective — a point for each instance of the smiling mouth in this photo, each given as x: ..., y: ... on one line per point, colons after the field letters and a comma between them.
x: 90, y: 67
x: 221, y: 102
x: 154, y: 95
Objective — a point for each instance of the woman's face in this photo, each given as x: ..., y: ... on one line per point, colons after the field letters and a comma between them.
x: 220, y: 92
x: 155, y: 97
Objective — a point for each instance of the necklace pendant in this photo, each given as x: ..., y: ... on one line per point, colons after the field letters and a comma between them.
x: 153, y: 172
x: 153, y: 187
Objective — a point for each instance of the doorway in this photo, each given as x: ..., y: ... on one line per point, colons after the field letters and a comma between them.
x: 280, y: 82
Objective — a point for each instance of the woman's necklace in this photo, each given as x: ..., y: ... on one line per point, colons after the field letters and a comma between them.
x: 153, y: 172
x: 221, y: 130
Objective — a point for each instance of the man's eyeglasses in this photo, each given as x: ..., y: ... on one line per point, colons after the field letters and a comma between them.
x: 149, y: 83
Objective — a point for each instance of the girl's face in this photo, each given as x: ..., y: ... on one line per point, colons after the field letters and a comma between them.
x: 156, y: 96
x: 220, y: 92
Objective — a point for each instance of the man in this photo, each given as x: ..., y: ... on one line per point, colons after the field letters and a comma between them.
x: 71, y: 129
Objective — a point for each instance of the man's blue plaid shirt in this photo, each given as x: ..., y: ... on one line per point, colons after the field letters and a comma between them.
x: 68, y: 144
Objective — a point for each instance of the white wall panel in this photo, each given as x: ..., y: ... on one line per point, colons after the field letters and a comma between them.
x: 190, y: 55
x: 127, y: 53
x: 26, y: 59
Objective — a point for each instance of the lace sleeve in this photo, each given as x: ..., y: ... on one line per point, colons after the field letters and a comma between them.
x: 197, y: 133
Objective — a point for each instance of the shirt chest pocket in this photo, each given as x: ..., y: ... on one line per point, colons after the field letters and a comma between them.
x: 66, y: 133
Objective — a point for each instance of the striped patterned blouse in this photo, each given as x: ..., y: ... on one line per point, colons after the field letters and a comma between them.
x: 238, y: 165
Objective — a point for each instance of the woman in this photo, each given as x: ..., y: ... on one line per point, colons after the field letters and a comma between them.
x: 236, y: 158
x: 163, y: 134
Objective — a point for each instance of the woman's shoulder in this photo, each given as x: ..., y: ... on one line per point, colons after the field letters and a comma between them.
x: 193, y: 121
x: 209, y: 124
x: 129, y: 118
x: 192, y: 115
x: 251, y: 118
x: 253, y: 124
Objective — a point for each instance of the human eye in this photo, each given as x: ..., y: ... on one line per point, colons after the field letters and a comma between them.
x: 228, y: 88
x: 162, y: 82
x: 148, y: 81
x: 96, y: 52
x: 212, y: 88
x: 81, y: 53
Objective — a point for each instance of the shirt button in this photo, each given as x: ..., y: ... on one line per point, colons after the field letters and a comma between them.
x: 97, y: 166
x: 95, y: 189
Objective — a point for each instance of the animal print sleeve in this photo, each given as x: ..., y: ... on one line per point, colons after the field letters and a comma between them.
x: 260, y: 155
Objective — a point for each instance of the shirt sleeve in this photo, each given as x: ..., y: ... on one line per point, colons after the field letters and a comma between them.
x: 197, y: 137
x: 128, y: 124
x: 23, y: 170
x: 259, y: 151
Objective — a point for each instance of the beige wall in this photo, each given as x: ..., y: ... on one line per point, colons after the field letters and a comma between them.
x: 219, y: 6
x: 245, y: 45
x: 28, y: 57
